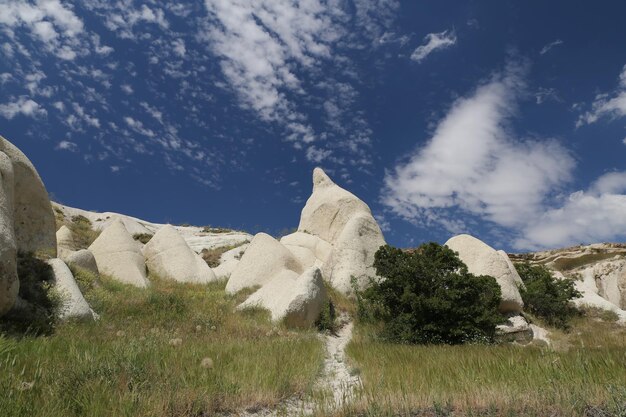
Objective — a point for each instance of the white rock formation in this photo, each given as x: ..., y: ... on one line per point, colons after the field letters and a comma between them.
x: 264, y: 260
x: 74, y: 304
x: 169, y: 257
x: 9, y: 283
x: 590, y: 297
x: 313, y: 245
x: 229, y: 261
x: 65, y: 242
x: 341, y: 219
x: 515, y: 329
x: 26, y: 219
x: 598, y: 271
x: 196, y: 237
x: 481, y: 259
x: 83, y: 259
x: 119, y: 256
x: 295, y: 300
x: 34, y: 223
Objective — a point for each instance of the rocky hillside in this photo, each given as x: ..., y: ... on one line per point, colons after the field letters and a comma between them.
x: 598, y: 269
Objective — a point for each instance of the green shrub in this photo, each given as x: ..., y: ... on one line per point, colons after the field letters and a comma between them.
x: 327, y: 320
x: 82, y: 232
x: 142, y: 237
x: 429, y: 297
x: 37, y: 313
x: 547, y: 297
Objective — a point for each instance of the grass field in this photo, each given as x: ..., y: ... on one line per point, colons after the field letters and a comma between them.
x: 583, y: 373
x: 171, y: 350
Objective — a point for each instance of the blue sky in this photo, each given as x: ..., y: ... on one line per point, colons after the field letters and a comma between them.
x: 499, y: 118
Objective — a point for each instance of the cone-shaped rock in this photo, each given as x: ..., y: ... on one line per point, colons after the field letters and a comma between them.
x: 169, y: 257
x: 83, y: 259
x: 34, y: 223
x: 345, y: 222
x: 74, y: 304
x: 9, y: 283
x: 482, y: 259
x: 295, y: 300
x: 119, y: 256
x: 264, y: 259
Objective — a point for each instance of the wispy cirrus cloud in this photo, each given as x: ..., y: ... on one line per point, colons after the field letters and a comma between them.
x: 434, y: 42
x: 549, y: 46
x: 611, y: 105
x: 272, y: 53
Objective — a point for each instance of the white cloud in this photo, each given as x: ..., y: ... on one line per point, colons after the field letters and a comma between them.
x: 595, y: 215
x: 66, y: 145
x: 269, y: 51
x: 55, y: 25
x: 122, y: 18
x: 624, y: 141
x: 434, y: 42
x: 474, y: 165
x: 127, y: 88
x: 607, y: 105
x: 549, y: 46
x: 179, y: 47
x: 138, y: 127
x: 24, y: 106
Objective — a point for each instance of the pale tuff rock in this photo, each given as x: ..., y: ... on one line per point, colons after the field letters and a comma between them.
x: 320, y: 249
x: 482, y: 259
x: 169, y: 257
x: 65, y: 242
x: 540, y: 334
x: 295, y: 300
x: 9, y: 283
x: 66, y: 250
x: 353, y: 253
x: 74, y: 304
x: 515, y: 329
x: 34, y: 223
x: 329, y: 208
x: 196, y: 237
x: 264, y: 259
x: 598, y: 271
x: 26, y: 219
x: 590, y: 297
x: 83, y: 259
x: 229, y: 261
x: 119, y: 256
x: 346, y: 224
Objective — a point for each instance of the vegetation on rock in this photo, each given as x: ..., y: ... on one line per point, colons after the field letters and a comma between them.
x: 37, y: 310
x: 546, y: 297
x: 429, y: 297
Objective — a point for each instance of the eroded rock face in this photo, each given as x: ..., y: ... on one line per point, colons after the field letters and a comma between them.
x: 168, y: 255
x: 9, y: 283
x: 598, y: 271
x: 342, y: 220
x: 65, y: 242
x: 481, y: 259
x: 83, y: 259
x: 74, y: 304
x: 119, y: 256
x: 264, y: 259
x: 26, y: 218
x: 297, y: 300
x: 34, y: 224
x: 229, y: 261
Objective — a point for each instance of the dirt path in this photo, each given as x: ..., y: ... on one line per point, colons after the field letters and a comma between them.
x: 336, y: 386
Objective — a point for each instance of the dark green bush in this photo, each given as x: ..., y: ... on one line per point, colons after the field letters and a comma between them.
x: 327, y: 320
x: 142, y: 237
x: 429, y: 297
x: 37, y: 313
x: 547, y: 297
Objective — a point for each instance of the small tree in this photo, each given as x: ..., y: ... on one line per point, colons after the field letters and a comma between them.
x: 428, y: 296
x: 547, y: 297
